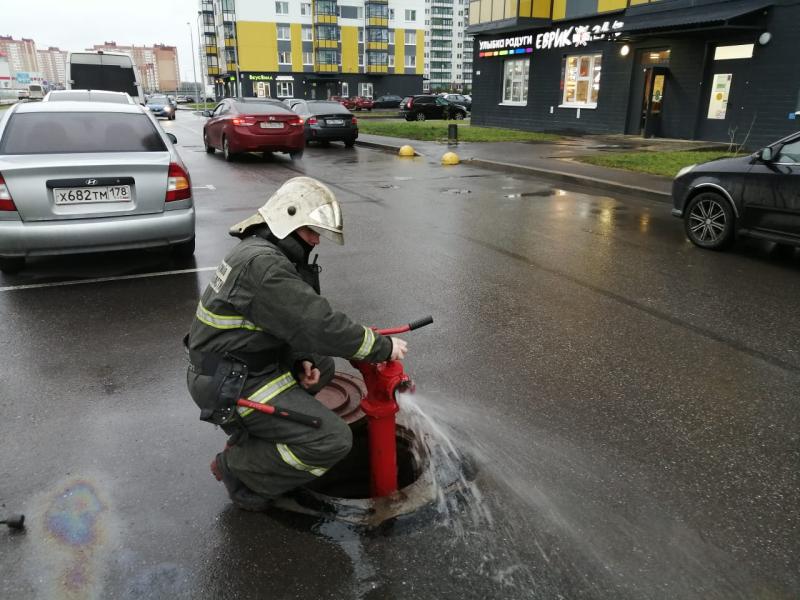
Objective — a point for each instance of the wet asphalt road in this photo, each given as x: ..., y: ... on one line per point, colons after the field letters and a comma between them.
x: 629, y: 401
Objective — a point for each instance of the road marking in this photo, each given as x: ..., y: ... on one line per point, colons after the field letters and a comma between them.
x: 30, y: 286
x: 204, y: 187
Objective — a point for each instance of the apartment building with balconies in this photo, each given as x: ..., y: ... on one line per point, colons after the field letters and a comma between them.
x: 314, y: 49
x: 448, y: 48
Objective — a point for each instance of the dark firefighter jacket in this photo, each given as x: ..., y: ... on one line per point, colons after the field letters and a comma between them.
x: 263, y: 307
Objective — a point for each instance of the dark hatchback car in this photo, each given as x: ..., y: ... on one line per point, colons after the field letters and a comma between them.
x: 387, y: 102
x: 327, y: 121
x: 421, y: 108
x: 236, y: 126
x: 755, y: 196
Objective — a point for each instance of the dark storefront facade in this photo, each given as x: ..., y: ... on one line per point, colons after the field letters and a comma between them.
x: 321, y: 86
x: 689, y: 69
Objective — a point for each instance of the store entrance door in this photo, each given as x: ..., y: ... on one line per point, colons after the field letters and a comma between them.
x: 724, y: 114
x: 647, y: 93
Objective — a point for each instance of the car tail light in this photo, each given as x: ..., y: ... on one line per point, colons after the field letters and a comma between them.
x: 244, y: 121
x: 410, y: 103
x: 295, y: 122
x: 355, y: 121
x: 312, y: 120
x: 179, y: 186
x: 6, y: 202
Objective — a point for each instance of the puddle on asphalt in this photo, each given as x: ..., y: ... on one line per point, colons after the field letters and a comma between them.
x: 538, y: 193
x: 388, y: 186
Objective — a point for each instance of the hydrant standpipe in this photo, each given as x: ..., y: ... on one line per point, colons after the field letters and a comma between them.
x: 383, y: 380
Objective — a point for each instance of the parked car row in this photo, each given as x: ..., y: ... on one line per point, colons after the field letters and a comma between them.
x: 428, y: 106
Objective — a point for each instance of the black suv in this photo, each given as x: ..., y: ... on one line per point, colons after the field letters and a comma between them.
x: 755, y: 196
x: 420, y: 108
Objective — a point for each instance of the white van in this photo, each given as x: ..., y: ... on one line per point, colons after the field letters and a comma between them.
x: 35, y: 91
x: 100, y: 70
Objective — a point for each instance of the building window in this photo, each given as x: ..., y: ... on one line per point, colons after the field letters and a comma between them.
x: 391, y: 13
x: 284, y: 32
x: 411, y: 15
x: 305, y: 9
x: 391, y: 60
x: 411, y: 61
x: 411, y: 38
x: 391, y: 36
x: 282, y: 8
x: 515, y: 81
x: 582, y: 80
x: 366, y: 90
x: 285, y: 89
x: 307, y: 34
x: 345, y: 89
x: 308, y: 58
x: 360, y: 35
x: 284, y: 58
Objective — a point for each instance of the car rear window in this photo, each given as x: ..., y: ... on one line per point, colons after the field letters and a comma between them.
x: 78, y: 132
x: 158, y: 99
x: 327, y: 107
x: 262, y: 108
x: 87, y: 96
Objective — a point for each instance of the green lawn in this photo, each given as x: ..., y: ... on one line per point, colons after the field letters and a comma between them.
x: 666, y: 164
x: 430, y: 131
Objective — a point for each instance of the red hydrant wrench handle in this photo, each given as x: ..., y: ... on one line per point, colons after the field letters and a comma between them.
x: 411, y: 326
x: 281, y: 412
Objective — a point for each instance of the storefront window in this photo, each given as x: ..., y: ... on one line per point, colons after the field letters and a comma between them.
x: 285, y: 89
x: 515, y: 81
x: 582, y: 80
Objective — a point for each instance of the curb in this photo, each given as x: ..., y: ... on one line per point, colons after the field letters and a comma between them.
x: 384, y: 147
x: 585, y: 180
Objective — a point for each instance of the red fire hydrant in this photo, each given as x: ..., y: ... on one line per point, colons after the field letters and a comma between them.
x: 383, y: 381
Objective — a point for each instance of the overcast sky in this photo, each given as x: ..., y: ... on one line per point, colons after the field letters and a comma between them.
x: 80, y: 24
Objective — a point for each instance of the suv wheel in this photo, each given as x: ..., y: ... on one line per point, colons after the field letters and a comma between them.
x: 458, y: 116
x: 709, y: 221
x: 420, y: 116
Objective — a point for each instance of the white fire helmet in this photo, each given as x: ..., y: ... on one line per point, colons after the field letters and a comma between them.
x: 300, y: 202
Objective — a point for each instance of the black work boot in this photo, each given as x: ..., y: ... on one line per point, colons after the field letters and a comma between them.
x: 241, y: 495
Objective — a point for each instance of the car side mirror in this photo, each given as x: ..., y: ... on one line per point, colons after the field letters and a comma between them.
x: 765, y: 154
x: 172, y: 138
x: 206, y: 113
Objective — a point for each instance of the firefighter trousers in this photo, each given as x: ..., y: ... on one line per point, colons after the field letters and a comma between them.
x: 276, y: 455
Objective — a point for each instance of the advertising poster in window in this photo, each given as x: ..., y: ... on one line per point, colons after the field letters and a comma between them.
x: 721, y: 88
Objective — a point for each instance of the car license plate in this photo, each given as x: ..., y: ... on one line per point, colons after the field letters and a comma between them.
x: 335, y: 122
x: 100, y: 193
x: 271, y: 125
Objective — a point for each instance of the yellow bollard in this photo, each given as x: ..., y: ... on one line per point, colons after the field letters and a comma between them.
x: 407, y: 151
x: 450, y: 158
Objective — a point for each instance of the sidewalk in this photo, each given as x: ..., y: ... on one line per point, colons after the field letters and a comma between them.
x: 555, y: 160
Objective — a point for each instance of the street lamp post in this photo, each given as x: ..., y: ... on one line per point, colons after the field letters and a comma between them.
x: 194, y: 68
x: 201, y: 45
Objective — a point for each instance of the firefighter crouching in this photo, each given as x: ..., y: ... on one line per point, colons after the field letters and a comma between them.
x: 262, y: 331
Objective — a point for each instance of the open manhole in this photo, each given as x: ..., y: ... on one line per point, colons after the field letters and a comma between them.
x: 343, y: 493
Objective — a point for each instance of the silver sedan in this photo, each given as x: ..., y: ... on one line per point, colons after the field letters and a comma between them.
x: 89, y: 177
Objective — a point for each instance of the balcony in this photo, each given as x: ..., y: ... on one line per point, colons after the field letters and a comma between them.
x: 377, y: 46
x: 213, y: 71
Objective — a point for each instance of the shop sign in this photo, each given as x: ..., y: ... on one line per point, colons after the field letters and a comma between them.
x: 575, y: 36
x: 720, y: 90
x: 260, y: 77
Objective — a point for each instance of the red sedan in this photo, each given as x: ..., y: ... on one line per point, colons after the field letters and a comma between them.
x: 346, y: 102
x: 359, y: 103
x: 236, y: 126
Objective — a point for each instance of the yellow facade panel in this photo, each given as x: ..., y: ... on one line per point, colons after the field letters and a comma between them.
x: 559, y: 9
x: 399, y: 50
x: 297, y: 46
x: 524, y: 8
x: 486, y: 11
x: 349, y: 49
x: 498, y: 10
x: 474, y: 12
x: 609, y: 5
x: 258, y: 46
x: 542, y: 9
x: 420, y: 51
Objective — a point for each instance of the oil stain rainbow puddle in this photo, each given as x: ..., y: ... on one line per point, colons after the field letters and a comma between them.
x: 71, y: 535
